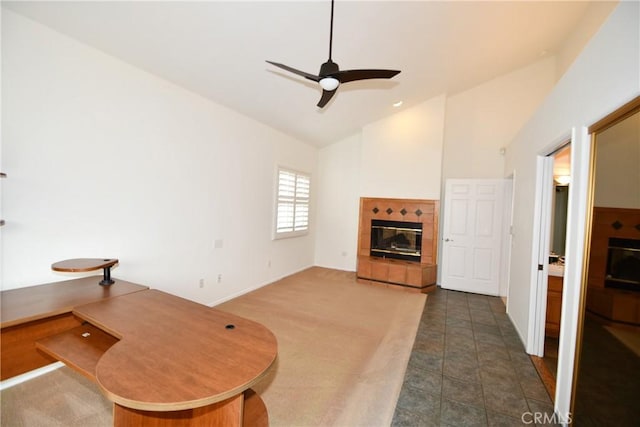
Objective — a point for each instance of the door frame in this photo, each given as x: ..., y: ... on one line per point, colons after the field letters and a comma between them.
x: 577, y: 218
x: 507, y: 237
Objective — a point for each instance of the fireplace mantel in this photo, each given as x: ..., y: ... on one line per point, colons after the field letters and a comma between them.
x: 413, y: 275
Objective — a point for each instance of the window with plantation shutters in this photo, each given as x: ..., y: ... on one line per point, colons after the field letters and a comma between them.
x: 292, y: 212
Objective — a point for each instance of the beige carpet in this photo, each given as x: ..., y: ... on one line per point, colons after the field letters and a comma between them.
x: 343, y: 348
x: 59, y: 398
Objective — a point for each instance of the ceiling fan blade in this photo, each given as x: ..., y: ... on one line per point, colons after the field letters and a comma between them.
x: 330, y: 76
x: 294, y: 71
x: 326, y: 97
x: 353, y: 75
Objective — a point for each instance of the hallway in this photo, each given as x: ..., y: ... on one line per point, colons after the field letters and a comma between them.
x: 468, y: 367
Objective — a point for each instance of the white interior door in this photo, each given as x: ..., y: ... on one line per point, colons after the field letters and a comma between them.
x: 540, y: 254
x: 472, y: 235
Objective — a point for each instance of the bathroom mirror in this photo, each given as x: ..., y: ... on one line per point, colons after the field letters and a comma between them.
x: 560, y: 204
x: 561, y: 179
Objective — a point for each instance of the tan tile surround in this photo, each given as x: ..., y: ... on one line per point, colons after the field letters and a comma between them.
x: 411, y: 275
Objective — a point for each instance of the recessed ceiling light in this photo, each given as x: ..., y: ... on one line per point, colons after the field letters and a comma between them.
x: 397, y: 104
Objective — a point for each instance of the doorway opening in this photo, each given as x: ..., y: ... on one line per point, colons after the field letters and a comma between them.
x: 607, y: 373
x: 554, y: 178
x: 555, y: 270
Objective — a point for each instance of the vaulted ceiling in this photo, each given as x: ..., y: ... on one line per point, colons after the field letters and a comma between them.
x: 218, y: 49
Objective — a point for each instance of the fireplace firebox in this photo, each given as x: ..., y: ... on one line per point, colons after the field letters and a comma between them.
x: 396, y: 239
x: 623, y: 264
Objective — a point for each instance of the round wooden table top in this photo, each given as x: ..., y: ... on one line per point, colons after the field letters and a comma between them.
x: 175, y: 354
x: 83, y: 264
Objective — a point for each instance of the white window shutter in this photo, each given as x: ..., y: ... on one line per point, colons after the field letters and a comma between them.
x: 292, y: 215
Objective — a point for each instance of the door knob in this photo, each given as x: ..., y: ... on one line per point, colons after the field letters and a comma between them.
x: 448, y: 240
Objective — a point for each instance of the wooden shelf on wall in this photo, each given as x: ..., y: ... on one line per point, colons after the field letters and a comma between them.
x: 420, y: 276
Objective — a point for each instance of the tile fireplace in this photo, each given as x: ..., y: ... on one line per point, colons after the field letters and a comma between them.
x: 398, y: 243
x: 396, y: 239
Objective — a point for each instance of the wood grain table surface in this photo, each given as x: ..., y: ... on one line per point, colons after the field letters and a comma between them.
x: 175, y: 354
x: 24, y: 305
x: 83, y: 264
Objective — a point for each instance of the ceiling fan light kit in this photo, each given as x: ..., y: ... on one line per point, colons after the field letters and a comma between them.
x: 329, y: 83
x: 330, y: 76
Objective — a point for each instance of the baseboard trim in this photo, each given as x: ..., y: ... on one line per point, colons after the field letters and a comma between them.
x: 19, y: 379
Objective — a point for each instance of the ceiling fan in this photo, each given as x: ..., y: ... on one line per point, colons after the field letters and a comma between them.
x: 330, y: 76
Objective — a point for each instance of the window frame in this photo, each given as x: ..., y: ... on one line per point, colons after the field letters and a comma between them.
x: 297, y: 202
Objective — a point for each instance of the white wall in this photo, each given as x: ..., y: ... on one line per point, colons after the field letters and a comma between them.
x: 482, y: 120
x: 338, y: 201
x: 411, y: 153
x: 618, y: 165
x: 596, y: 13
x: 105, y: 160
x: 402, y: 153
x: 603, y: 77
x: 397, y: 157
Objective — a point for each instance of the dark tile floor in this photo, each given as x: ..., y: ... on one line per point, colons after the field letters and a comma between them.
x: 468, y: 367
x: 608, y: 380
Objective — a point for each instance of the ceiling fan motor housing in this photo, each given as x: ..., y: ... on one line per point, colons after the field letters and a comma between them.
x: 328, y: 68
x: 330, y: 76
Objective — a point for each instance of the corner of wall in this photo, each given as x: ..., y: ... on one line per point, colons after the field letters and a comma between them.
x: 589, y: 24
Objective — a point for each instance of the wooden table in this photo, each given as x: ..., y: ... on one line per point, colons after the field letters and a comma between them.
x: 174, y: 359
x: 164, y: 360
x: 29, y: 314
x: 87, y: 264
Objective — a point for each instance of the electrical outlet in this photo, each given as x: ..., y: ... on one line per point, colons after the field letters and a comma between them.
x: 201, y: 282
x: 219, y: 278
